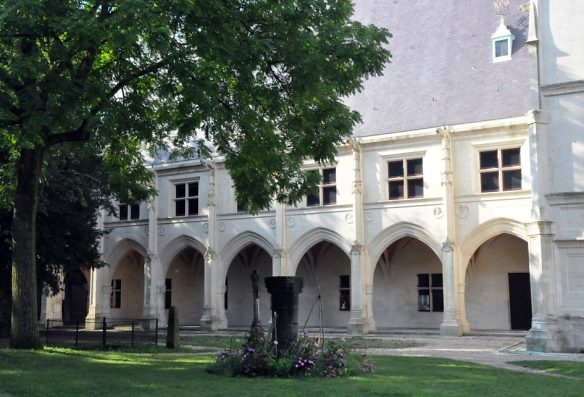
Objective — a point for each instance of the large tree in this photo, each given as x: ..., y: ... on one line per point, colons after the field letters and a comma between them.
x: 261, y: 80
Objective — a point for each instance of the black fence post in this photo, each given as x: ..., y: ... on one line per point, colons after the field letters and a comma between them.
x: 156, y: 334
x: 103, y: 334
x: 47, y: 333
x: 77, y: 334
x: 132, y: 336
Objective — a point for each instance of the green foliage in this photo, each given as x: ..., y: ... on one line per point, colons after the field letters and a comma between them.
x: 308, y: 357
x: 260, y: 80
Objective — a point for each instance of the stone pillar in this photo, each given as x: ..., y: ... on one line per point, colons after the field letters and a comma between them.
x: 213, y: 317
x: 541, y: 335
x: 357, y: 323
x: 450, y: 321
x: 284, y: 293
x: 450, y: 325
x: 279, y: 258
x: 98, y: 298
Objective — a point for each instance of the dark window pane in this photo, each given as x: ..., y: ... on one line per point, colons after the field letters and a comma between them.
x: 123, y: 212
x: 512, y: 180
x: 240, y: 207
x: 135, y: 211
x: 226, y: 296
x: 329, y: 195
x: 423, y: 280
x: 437, y: 280
x: 312, y: 200
x: 396, y: 190
x: 501, y: 48
x: 511, y: 157
x: 490, y: 182
x: 329, y: 175
x: 345, y: 281
x: 180, y: 190
x: 416, y: 188
x: 180, y: 208
x: 395, y: 169
x: 489, y: 159
x: 118, y: 299
x: 414, y: 167
x: 193, y: 189
x: 424, y: 300
x: 193, y: 206
x: 437, y: 300
x: 345, y: 300
x: 118, y: 284
x: 168, y: 283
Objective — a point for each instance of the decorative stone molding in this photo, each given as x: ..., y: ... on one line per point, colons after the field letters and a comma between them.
x: 438, y: 212
x: 161, y: 230
x: 349, y: 218
x: 291, y: 222
x: 462, y: 211
x: 272, y: 223
x: 356, y: 248
x: 222, y: 227
x: 205, y: 228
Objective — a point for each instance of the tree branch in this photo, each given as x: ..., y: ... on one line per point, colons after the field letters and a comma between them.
x: 81, y: 134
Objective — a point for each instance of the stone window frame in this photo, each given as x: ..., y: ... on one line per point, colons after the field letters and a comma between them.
x: 405, y: 178
x: 128, y: 212
x: 116, y: 293
x: 187, y: 198
x: 428, y: 291
x: 327, y: 185
x: 501, y: 169
x: 345, y: 292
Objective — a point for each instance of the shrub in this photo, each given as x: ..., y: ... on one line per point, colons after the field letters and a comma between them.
x: 306, y: 357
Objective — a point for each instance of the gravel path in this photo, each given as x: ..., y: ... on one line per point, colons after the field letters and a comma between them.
x: 496, y: 351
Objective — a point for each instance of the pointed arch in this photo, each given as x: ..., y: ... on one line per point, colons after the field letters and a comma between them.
x: 242, y: 240
x: 174, y: 247
x: 482, y: 233
x: 311, y: 238
x: 397, y: 231
x: 120, y: 249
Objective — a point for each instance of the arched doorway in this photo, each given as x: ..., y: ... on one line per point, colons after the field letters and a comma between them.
x: 408, y: 287
x: 497, y: 290
x: 325, y: 298
x: 238, y: 298
x: 184, y: 286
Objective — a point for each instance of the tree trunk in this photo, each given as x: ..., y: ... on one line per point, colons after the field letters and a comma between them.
x: 24, y: 331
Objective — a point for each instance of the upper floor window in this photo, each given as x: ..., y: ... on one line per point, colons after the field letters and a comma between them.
x: 405, y: 178
x: 186, y: 198
x: 129, y: 211
x: 500, y: 170
x: 327, y: 190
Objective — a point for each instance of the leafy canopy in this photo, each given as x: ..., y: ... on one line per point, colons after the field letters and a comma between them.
x: 261, y: 80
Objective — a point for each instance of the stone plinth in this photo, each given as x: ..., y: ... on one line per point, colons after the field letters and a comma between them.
x: 284, y: 293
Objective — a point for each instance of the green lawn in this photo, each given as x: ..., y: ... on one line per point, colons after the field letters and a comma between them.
x: 61, y: 372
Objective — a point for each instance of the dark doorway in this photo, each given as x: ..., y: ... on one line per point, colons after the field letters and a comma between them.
x: 520, y: 301
x: 76, y: 296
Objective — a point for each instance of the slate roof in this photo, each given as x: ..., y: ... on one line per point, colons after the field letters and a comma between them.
x: 441, y: 72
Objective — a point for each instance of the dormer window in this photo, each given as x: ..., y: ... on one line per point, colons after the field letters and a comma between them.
x: 502, y: 41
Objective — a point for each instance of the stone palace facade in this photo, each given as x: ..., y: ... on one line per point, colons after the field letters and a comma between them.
x: 458, y: 205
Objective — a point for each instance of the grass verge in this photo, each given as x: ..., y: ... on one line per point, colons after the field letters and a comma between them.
x: 572, y: 369
x: 64, y: 372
